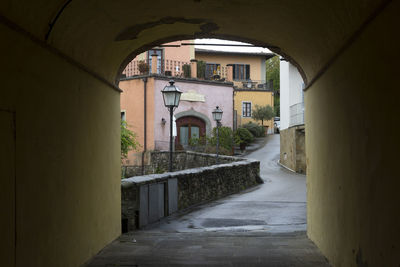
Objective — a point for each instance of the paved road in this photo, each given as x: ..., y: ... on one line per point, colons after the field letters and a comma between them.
x: 278, y: 205
x: 264, y: 226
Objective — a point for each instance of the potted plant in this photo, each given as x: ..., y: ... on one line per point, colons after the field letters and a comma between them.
x: 143, y: 67
x: 240, y: 142
x: 243, y: 137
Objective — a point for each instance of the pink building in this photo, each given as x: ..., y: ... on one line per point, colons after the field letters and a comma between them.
x: 143, y: 108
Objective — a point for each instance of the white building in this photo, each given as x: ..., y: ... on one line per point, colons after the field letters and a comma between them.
x: 292, y: 128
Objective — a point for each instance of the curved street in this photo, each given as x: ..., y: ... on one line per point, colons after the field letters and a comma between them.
x: 263, y: 226
x: 278, y: 205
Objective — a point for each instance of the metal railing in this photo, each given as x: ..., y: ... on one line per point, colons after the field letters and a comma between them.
x: 253, y: 85
x: 296, y: 114
x: 174, y: 68
x: 165, y: 67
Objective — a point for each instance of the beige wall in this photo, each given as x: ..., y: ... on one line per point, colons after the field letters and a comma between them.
x: 292, y: 145
x: 132, y: 102
x: 288, y: 148
x: 352, y: 148
x: 183, y: 53
x: 253, y: 61
x: 67, y: 180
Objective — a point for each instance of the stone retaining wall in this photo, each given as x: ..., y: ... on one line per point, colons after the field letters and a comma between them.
x: 158, y: 161
x: 146, y: 199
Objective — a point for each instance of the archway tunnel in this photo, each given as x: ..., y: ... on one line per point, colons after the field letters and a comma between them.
x: 59, y: 115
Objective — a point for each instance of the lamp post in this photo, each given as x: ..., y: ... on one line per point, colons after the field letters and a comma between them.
x: 172, y: 96
x: 217, y: 116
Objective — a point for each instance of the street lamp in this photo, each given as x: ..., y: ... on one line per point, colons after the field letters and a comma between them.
x: 217, y: 116
x: 172, y: 96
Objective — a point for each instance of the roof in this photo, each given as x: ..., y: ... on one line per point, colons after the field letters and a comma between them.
x: 209, y: 51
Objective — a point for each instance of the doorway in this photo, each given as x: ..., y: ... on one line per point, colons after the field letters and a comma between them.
x: 189, y: 127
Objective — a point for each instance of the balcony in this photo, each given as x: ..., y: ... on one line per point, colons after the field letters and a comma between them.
x: 296, y: 114
x: 174, y: 68
x: 253, y: 85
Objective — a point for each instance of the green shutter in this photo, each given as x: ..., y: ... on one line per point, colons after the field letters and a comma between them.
x: 247, y: 72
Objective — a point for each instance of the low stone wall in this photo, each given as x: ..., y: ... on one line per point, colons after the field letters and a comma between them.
x: 158, y: 161
x: 146, y: 199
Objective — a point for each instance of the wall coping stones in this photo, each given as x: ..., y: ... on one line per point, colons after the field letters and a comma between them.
x: 148, y: 198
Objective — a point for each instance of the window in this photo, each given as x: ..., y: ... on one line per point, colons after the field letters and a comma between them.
x: 212, y: 69
x: 241, y: 72
x: 123, y: 115
x: 246, y: 109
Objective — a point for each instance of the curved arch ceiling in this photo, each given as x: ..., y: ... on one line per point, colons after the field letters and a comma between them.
x: 100, y: 34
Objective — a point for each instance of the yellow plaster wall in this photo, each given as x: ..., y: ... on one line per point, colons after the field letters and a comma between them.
x: 353, y: 143
x: 253, y: 61
x: 67, y: 179
x: 256, y: 97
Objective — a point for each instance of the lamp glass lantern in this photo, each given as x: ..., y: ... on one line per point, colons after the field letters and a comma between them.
x: 217, y: 114
x: 171, y: 95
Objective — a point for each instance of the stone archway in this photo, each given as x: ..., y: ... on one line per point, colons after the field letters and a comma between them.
x: 193, y: 113
x: 62, y: 61
x: 189, y: 127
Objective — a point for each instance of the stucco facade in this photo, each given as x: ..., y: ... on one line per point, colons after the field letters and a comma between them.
x: 251, y: 97
x: 256, y: 62
x: 254, y: 97
x: 292, y: 129
x: 182, y: 53
x: 157, y: 117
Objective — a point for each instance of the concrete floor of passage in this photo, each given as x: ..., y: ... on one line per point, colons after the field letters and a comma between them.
x: 263, y: 226
x: 144, y: 248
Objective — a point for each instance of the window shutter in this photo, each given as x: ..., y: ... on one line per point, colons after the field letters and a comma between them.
x: 234, y: 71
x: 247, y: 72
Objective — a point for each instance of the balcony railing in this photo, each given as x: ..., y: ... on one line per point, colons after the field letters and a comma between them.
x: 174, y: 68
x: 165, y: 67
x: 296, y: 114
x: 253, y: 85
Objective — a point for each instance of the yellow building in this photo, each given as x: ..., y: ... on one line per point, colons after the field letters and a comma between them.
x: 248, y: 74
x: 245, y: 100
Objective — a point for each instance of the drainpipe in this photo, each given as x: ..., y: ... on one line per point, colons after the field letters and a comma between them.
x: 145, y: 122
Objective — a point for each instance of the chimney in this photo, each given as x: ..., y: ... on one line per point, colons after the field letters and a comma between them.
x: 154, y: 63
x: 229, y: 73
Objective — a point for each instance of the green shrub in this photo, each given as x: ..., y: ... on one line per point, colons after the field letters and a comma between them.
x: 186, y: 70
x: 225, y: 137
x: 128, y: 140
x: 255, y: 129
x: 243, y: 135
x: 221, y: 150
x: 208, y: 144
x: 201, y: 69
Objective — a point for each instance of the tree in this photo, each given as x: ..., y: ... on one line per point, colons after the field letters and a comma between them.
x: 128, y: 140
x: 261, y: 113
x: 272, y: 73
